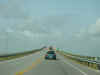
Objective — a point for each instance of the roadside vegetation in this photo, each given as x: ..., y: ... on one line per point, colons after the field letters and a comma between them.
x: 17, y: 55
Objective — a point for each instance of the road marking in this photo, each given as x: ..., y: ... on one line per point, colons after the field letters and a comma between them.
x: 34, y: 64
x: 75, y: 68
x: 93, y: 70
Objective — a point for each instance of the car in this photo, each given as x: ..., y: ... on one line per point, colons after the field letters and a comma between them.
x: 50, y: 55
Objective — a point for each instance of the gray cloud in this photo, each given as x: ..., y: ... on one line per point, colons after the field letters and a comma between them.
x: 21, y: 37
x: 93, y: 31
x: 88, y: 40
x: 20, y: 31
x: 13, y: 9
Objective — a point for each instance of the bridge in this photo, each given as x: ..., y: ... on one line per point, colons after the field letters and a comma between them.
x: 35, y: 64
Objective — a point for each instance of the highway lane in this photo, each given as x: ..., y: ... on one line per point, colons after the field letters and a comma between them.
x: 36, y: 65
x: 60, y: 67
x: 10, y: 67
x: 52, y: 67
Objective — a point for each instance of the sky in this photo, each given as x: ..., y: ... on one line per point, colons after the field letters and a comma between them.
x: 71, y: 25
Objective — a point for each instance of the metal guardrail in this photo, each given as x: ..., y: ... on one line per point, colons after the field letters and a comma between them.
x: 85, y: 60
x: 88, y: 62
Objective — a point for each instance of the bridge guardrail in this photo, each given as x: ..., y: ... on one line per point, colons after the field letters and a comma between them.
x: 88, y: 62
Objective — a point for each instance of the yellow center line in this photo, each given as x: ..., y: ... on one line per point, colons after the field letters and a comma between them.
x: 38, y: 61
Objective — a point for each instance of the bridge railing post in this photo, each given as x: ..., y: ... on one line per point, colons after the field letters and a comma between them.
x: 98, y: 66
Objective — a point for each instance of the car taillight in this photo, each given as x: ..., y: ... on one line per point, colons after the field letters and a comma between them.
x: 46, y: 55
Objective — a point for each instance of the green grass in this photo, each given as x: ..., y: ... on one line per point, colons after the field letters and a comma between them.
x: 18, y: 55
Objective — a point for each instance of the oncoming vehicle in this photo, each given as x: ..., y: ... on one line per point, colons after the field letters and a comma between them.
x: 50, y: 55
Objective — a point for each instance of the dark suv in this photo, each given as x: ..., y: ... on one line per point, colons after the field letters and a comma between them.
x: 50, y: 55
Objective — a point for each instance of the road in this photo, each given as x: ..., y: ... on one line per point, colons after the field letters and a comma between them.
x: 36, y: 65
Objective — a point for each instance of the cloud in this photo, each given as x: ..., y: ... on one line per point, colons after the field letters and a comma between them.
x: 9, y: 30
x: 92, y: 32
x: 87, y: 40
x: 94, y: 29
x: 13, y: 9
x: 33, y: 35
x: 19, y: 31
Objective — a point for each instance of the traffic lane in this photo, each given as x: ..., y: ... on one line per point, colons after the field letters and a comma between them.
x: 83, y: 69
x: 53, y: 67
x: 10, y: 67
x: 48, y: 67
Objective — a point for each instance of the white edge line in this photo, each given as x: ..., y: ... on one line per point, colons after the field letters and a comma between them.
x: 76, y: 68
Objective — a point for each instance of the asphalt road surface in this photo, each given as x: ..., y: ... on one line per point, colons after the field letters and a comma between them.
x: 35, y: 64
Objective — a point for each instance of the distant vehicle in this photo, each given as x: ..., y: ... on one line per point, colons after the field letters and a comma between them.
x: 50, y: 48
x: 50, y: 55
